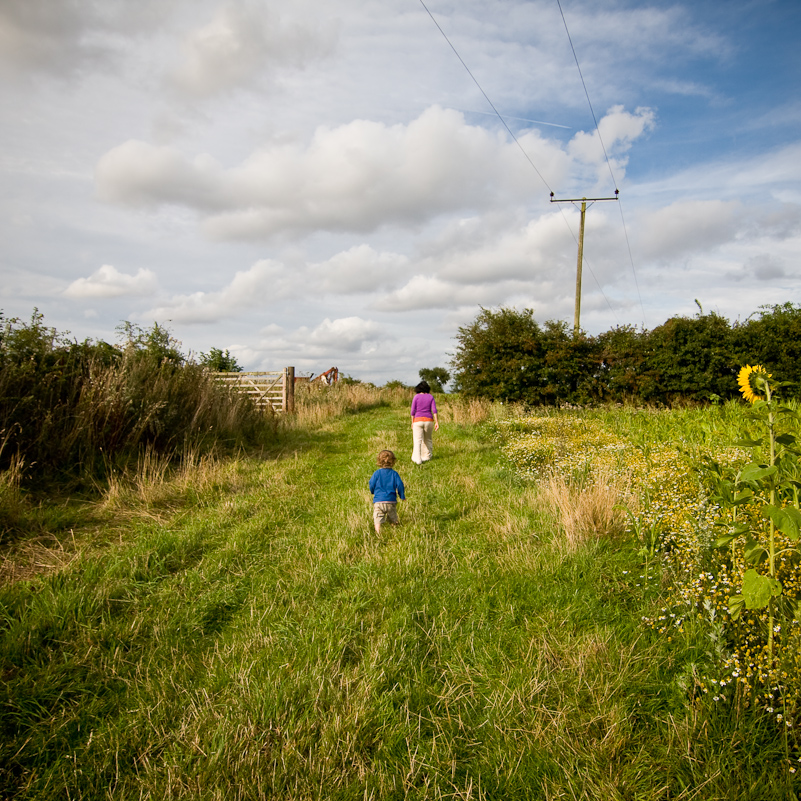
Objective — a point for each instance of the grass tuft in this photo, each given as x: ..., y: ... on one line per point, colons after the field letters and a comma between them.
x: 588, y: 507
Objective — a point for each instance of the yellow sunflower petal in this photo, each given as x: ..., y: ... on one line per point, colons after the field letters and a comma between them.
x: 745, y: 378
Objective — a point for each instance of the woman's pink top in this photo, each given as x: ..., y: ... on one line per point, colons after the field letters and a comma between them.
x: 424, y: 407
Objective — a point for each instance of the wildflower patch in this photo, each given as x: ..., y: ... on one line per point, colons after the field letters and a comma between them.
x: 723, y: 522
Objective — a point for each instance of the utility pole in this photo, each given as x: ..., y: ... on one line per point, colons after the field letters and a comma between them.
x: 583, y: 201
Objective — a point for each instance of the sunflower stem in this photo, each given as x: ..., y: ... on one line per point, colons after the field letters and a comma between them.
x: 771, y: 526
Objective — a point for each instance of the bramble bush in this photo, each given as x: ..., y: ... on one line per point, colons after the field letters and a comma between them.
x: 73, y: 410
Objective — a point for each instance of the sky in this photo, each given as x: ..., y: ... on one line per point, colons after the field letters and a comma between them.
x: 335, y: 183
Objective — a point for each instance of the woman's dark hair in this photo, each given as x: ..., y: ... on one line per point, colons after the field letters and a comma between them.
x: 422, y: 387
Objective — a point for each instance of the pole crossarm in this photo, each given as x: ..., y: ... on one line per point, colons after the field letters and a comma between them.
x: 583, y: 201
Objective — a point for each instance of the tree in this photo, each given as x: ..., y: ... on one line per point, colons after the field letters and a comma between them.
x: 499, y: 354
x: 156, y: 343
x: 505, y: 355
x: 435, y: 377
x: 219, y: 361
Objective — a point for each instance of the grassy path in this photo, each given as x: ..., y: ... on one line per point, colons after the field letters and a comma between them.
x: 267, y: 644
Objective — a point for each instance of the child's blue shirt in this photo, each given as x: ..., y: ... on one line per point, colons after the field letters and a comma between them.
x: 384, y: 484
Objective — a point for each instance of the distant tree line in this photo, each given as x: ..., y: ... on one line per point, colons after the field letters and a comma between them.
x: 505, y: 354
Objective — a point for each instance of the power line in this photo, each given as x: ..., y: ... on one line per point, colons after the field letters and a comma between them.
x: 522, y: 119
x: 516, y: 141
x: 606, y: 156
x: 586, y: 94
x: 631, y: 260
x: 486, y: 97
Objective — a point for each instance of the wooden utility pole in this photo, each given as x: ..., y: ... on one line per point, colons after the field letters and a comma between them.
x: 583, y: 201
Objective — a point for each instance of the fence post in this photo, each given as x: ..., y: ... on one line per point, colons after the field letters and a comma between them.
x: 289, y: 390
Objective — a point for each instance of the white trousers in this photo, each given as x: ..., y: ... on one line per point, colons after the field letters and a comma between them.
x: 423, y: 439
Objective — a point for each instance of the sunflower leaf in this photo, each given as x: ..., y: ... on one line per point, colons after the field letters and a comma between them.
x: 756, y: 472
x: 748, y: 443
x: 758, y: 589
x: 787, y: 520
x: 729, y: 536
x: 754, y: 553
x: 736, y: 604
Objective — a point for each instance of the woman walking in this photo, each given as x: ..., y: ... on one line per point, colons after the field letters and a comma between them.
x: 424, y: 423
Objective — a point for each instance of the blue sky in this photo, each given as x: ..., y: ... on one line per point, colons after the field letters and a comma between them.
x: 322, y: 183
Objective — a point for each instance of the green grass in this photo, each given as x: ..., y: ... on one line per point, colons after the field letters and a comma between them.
x: 264, y: 642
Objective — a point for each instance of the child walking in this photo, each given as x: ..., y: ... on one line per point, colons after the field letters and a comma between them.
x: 387, y: 487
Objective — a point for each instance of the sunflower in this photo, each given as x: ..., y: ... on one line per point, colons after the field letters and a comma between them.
x: 750, y: 376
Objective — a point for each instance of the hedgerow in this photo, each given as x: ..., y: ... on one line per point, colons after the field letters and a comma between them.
x: 506, y: 355
x: 77, y: 409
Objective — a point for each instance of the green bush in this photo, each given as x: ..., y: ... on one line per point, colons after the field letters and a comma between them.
x: 219, y: 361
x: 506, y: 355
x: 498, y: 354
x: 773, y: 339
x: 690, y: 358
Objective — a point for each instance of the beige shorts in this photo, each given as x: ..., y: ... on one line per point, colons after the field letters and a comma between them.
x: 385, y: 512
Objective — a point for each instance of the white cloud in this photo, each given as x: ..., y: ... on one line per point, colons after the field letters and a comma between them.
x: 766, y: 267
x: 347, y: 334
x: 488, y: 261
x: 432, y: 292
x: 688, y: 226
x: 359, y: 269
x: 240, y: 44
x: 41, y: 35
x: 516, y: 252
x: 775, y: 173
x: 69, y: 36
x: 264, y: 282
x: 357, y: 177
x: 649, y: 32
x: 141, y: 174
x: 309, y: 143
x: 617, y: 131
x: 108, y: 282
x: 330, y: 341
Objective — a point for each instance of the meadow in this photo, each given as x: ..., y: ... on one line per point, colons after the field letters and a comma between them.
x: 233, y: 628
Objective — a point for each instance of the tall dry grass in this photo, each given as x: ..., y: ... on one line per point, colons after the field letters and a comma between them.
x: 157, y: 485
x: 316, y: 404
x: 464, y: 411
x: 81, y: 417
x: 12, y: 506
x: 587, y: 507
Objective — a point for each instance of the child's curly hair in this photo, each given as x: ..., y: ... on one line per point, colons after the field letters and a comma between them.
x: 386, y: 459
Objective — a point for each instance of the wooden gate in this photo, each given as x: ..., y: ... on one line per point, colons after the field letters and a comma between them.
x: 270, y: 388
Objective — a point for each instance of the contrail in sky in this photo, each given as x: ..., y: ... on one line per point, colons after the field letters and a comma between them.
x: 522, y: 119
